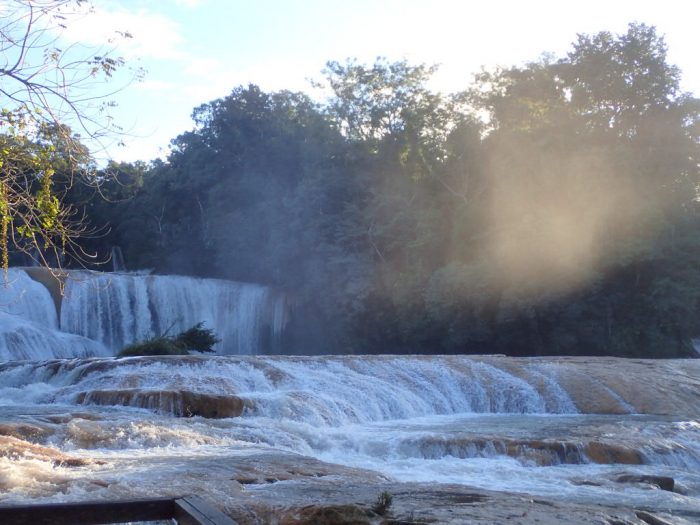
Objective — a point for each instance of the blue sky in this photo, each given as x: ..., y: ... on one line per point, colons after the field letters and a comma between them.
x: 197, y: 50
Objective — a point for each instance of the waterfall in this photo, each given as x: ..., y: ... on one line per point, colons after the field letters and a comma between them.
x: 23, y: 297
x: 21, y: 339
x: 547, y: 427
x: 117, y: 258
x: 29, y: 324
x: 100, y: 313
x: 341, y: 390
x: 118, y: 309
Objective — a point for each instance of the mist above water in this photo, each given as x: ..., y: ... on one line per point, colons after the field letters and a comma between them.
x: 556, y: 222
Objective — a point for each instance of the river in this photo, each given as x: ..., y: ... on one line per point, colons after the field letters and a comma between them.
x: 260, y: 435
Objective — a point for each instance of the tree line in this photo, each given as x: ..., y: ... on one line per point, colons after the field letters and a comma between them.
x: 549, y: 208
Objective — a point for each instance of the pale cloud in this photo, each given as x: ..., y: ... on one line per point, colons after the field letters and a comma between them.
x: 157, y: 86
x: 202, y: 90
x: 155, y: 40
x: 213, y: 79
x: 154, y: 35
x: 203, y: 66
x: 146, y: 149
x: 189, y: 3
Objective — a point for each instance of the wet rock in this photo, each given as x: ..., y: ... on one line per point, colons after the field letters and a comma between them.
x: 346, y: 502
x: 545, y: 452
x: 662, y: 482
x: 273, y: 467
x: 604, y: 453
x: 649, y: 518
x: 24, y: 431
x: 53, y: 279
x: 329, y: 515
x: 314, y: 492
x: 586, y: 483
x: 541, y: 452
x: 14, y: 448
x: 180, y: 403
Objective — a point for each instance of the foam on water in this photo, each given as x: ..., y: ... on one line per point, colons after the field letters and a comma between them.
x: 482, y: 422
x: 327, y: 392
x: 22, y: 297
x: 21, y: 339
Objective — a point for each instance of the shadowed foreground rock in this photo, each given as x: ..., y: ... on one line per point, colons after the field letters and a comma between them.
x: 260, y: 486
x: 414, y: 504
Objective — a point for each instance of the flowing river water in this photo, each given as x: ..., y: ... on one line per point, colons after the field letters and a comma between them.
x: 590, y: 431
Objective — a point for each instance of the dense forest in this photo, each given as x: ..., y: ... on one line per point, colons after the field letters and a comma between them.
x: 549, y: 208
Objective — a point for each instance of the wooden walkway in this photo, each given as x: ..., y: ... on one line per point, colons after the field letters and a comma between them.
x: 187, y: 510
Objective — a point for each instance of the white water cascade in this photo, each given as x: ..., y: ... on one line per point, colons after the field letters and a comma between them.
x: 567, y: 428
x: 603, y: 432
x: 119, y: 309
x: 29, y: 324
x: 330, y: 391
x: 101, y: 313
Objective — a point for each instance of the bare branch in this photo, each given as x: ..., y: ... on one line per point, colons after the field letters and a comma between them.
x: 49, y: 90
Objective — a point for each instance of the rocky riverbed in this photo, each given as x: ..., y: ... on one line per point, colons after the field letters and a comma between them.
x: 289, y: 440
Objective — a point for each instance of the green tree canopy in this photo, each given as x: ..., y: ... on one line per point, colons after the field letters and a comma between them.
x: 550, y: 208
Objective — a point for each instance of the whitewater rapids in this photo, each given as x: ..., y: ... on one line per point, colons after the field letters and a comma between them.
x: 270, y: 438
x: 567, y: 428
x: 97, y: 314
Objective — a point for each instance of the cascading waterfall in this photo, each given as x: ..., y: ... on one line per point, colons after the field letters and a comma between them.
x: 29, y: 324
x: 342, y: 407
x: 499, y: 423
x: 331, y: 391
x: 101, y: 313
x: 23, y: 297
x: 567, y: 428
x: 119, y: 309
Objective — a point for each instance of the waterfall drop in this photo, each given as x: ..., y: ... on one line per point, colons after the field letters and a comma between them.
x: 100, y: 313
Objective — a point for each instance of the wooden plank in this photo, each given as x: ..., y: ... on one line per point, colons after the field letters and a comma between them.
x: 88, y: 513
x: 192, y: 510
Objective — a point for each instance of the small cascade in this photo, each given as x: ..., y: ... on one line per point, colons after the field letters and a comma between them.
x: 118, y: 309
x: 322, y: 392
x: 556, y: 427
x: 403, y: 407
x: 29, y: 324
x: 100, y: 313
x: 336, y: 391
x: 528, y: 451
x: 22, y: 297
x: 117, y: 258
x: 25, y: 340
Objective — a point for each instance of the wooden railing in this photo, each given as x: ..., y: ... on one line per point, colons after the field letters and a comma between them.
x: 187, y: 510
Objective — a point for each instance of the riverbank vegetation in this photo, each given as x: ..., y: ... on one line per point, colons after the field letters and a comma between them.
x: 548, y: 208
x: 194, y: 339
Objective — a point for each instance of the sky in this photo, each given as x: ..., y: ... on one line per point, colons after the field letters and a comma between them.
x: 195, y: 51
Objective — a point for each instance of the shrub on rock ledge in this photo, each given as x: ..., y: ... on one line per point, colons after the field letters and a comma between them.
x: 196, y: 339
